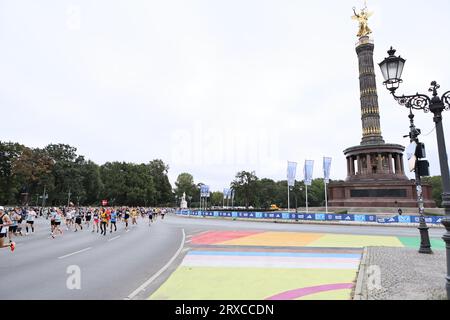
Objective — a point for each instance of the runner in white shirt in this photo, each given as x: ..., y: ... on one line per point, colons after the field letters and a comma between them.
x: 69, y: 220
x: 31, y: 217
x: 57, y: 217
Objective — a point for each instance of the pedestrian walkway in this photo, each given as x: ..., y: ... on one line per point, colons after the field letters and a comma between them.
x: 271, y: 265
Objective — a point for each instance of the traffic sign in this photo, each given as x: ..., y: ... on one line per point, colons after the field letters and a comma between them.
x: 411, y: 150
x: 411, y: 155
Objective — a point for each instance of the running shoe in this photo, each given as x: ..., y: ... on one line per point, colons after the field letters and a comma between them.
x: 13, y: 246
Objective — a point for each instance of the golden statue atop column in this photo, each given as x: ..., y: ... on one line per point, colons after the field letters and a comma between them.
x: 363, y: 18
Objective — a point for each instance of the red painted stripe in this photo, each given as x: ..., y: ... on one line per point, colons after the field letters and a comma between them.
x: 213, y: 237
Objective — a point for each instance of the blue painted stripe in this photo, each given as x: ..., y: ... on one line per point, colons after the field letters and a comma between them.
x: 276, y: 254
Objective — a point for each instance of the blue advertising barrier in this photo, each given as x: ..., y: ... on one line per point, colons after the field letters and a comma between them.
x: 311, y: 216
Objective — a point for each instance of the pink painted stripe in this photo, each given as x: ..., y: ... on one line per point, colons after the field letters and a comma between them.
x: 298, y: 293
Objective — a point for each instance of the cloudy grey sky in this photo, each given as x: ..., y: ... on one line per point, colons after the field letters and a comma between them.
x: 210, y: 86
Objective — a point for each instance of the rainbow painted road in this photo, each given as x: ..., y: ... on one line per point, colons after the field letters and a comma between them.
x: 252, y: 265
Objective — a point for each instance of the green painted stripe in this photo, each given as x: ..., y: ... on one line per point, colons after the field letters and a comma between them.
x: 414, y: 242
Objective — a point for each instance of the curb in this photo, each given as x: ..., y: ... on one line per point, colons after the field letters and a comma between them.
x: 360, y: 280
x: 342, y: 223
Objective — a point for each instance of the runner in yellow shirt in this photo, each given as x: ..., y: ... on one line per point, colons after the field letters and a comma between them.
x: 104, y: 220
x: 134, y: 215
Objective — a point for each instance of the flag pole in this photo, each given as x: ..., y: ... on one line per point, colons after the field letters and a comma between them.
x: 288, y: 197
x: 306, y: 198
x: 326, y: 198
x: 232, y: 199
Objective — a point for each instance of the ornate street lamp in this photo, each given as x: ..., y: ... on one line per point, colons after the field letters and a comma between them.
x: 392, y: 68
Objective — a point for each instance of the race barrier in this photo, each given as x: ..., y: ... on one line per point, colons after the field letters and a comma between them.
x: 311, y: 216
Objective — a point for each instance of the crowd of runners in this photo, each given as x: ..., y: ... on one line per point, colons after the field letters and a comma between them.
x: 15, y: 222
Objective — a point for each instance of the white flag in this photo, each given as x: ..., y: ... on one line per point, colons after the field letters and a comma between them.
x: 291, y: 171
x: 308, y: 171
x: 326, y: 169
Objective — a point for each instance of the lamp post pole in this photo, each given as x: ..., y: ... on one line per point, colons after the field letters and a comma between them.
x: 425, y: 245
x: 392, y: 68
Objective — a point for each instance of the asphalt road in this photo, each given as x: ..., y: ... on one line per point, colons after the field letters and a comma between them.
x: 126, y: 265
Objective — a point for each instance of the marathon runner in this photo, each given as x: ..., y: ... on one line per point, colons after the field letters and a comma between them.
x: 31, y: 216
x: 52, y: 220
x: 150, y: 216
x: 88, y: 217
x: 68, y: 219
x: 57, y: 217
x: 16, y: 228
x: 113, y: 220
x: 126, y: 216
x: 96, y: 221
x: 134, y: 215
x: 104, y: 222
x: 78, y: 220
x: 5, y: 222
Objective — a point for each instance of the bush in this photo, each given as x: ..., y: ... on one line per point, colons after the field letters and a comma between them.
x: 433, y: 214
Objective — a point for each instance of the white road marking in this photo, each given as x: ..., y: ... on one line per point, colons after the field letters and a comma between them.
x: 188, y: 241
x: 71, y: 254
x: 156, y: 275
x: 112, y: 239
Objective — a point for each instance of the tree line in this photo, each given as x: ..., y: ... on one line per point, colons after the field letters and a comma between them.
x: 251, y: 191
x: 26, y: 173
x: 66, y: 177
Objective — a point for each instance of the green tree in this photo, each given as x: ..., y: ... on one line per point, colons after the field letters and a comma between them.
x: 185, y: 184
x: 127, y: 184
x: 9, y: 186
x: 92, y: 183
x: 158, y: 170
x: 436, y: 184
x: 266, y: 193
x: 245, y: 186
x: 32, y: 169
x: 67, y: 174
x: 216, y: 199
x: 113, y: 176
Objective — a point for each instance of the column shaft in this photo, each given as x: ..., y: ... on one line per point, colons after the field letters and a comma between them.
x: 369, y: 164
x: 390, y: 163
x: 380, y: 164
